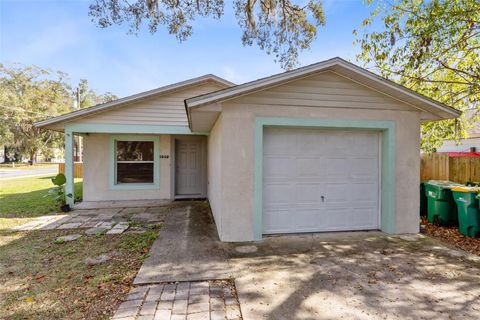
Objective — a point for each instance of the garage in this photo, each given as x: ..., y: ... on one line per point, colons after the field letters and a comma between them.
x: 318, y: 180
x: 323, y: 148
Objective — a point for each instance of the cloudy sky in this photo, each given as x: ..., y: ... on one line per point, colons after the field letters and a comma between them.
x: 59, y: 35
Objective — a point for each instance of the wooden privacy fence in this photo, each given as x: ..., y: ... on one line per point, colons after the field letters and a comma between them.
x: 77, y: 169
x: 439, y: 166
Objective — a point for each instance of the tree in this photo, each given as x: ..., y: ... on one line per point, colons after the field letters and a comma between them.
x: 31, y: 94
x: 88, y: 97
x: 432, y: 47
x: 280, y: 27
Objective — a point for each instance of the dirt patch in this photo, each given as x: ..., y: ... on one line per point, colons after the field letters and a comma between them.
x: 41, y: 279
x: 450, y: 235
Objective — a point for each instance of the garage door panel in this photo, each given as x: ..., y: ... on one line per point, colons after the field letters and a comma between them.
x: 278, y: 220
x: 336, y: 168
x: 364, y: 144
x: 363, y: 192
x: 309, y: 193
x: 279, y: 142
x: 309, y: 144
x: 279, y: 193
x: 309, y: 166
x: 302, y: 165
x: 338, y: 219
x: 364, y: 168
x: 335, y: 142
x: 308, y: 219
x: 336, y: 193
x: 279, y: 166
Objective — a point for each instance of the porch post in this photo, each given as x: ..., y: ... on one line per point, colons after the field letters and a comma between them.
x: 69, y: 189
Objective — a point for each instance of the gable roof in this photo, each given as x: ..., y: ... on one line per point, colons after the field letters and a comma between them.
x: 133, y: 98
x: 340, y: 66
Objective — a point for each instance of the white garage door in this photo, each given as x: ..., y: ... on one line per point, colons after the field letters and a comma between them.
x: 320, y: 180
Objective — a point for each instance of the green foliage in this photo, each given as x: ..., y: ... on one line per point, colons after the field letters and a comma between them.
x: 27, y: 95
x: 280, y: 27
x: 88, y: 97
x: 59, y: 179
x: 31, y: 94
x: 432, y: 47
x: 140, y: 242
x: 58, y: 192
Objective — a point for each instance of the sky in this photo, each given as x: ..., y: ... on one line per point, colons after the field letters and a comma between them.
x: 59, y: 35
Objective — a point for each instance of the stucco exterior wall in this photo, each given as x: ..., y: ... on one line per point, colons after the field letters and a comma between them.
x: 237, y: 131
x: 96, y: 182
x: 214, y: 172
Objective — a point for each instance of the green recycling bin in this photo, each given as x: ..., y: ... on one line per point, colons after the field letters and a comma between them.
x: 423, y: 200
x: 466, y: 199
x: 441, y: 207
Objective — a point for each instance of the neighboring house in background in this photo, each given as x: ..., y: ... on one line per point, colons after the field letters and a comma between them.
x: 470, y: 144
x: 326, y: 147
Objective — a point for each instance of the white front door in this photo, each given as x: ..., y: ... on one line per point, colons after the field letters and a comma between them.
x: 188, y: 167
x: 320, y: 180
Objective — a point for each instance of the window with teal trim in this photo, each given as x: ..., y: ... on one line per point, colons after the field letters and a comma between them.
x: 134, y: 162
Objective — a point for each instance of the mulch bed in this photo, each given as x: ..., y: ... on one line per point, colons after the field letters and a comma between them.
x: 450, y: 235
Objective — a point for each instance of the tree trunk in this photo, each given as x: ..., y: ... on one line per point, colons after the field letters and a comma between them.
x: 33, y: 157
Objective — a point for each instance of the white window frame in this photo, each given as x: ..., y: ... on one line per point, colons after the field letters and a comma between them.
x: 113, y: 163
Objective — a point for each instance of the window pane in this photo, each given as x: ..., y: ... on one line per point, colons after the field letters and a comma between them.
x: 134, y: 150
x: 134, y: 172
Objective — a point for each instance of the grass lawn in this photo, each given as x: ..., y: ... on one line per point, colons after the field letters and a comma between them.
x: 25, y: 197
x: 41, y: 279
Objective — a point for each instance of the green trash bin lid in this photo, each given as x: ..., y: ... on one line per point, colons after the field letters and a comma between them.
x: 443, y: 184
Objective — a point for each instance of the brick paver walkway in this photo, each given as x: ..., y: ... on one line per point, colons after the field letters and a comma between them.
x: 202, y: 300
x: 109, y: 220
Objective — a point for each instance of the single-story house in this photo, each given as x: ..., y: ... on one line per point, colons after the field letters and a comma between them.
x: 471, y: 143
x: 326, y: 147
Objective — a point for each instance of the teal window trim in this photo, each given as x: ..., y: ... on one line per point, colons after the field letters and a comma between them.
x: 129, y: 129
x: 156, y: 164
x: 388, y: 174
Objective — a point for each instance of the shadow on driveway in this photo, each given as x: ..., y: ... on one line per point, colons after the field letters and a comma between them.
x: 361, y: 275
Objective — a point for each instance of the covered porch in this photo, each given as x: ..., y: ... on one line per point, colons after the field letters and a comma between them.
x: 136, y: 162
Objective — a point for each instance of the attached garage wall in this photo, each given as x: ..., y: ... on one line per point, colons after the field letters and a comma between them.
x: 327, y: 98
x: 214, y: 164
x: 96, y: 183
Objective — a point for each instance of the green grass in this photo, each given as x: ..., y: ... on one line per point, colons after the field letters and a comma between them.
x: 25, y: 197
x: 42, y: 279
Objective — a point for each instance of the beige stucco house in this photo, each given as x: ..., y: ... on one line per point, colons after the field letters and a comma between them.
x: 326, y: 147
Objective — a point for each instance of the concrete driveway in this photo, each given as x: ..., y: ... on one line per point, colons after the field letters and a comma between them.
x: 322, y: 276
x: 355, y: 276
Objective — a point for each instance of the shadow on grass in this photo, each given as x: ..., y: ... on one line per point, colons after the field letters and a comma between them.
x: 32, y: 203
x: 42, y: 279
